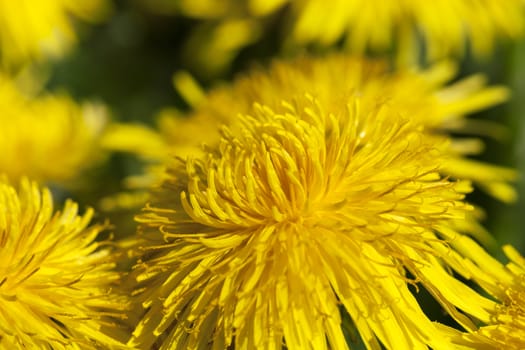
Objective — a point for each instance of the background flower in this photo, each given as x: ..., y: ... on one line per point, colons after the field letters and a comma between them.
x: 410, y: 28
x: 31, y: 31
x: 48, y: 137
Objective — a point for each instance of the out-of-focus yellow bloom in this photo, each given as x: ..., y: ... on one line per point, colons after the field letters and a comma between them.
x: 56, y: 281
x: 33, y: 30
x: 421, y: 96
x: 446, y: 26
x: 308, y: 207
x: 49, y: 137
x: 442, y: 27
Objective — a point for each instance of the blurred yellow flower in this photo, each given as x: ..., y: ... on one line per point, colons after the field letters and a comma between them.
x: 309, y: 210
x: 445, y: 26
x: 56, y: 281
x: 421, y: 96
x: 442, y: 27
x: 49, y: 138
x: 35, y: 30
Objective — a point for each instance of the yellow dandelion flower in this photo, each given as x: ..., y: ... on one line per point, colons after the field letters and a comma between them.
x: 33, y: 30
x: 445, y: 26
x: 505, y: 325
x: 56, y: 281
x: 441, y: 28
x: 422, y: 96
x: 47, y: 137
x: 310, y: 211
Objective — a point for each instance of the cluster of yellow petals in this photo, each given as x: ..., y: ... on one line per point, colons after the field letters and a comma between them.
x: 304, y: 210
x: 35, y: 30
x: 49, y: 138
x: 56, y: 280
x: 507, y: 326
x: 503, y: 318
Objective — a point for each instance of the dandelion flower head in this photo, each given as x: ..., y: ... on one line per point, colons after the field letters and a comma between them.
x: 445, y: 26
x: 56, y: 281
x: 442, y: 28
x: 308, y: 210
x: 50, y: 138
x: 507, y: 326
x: 504, y: 326
x: 33, y: 30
